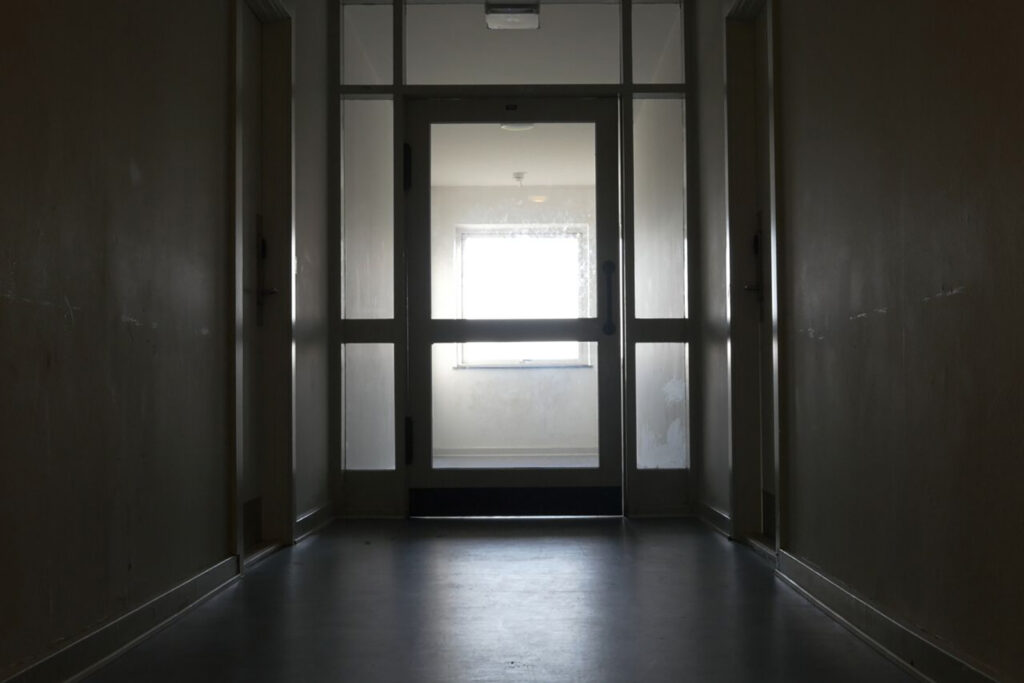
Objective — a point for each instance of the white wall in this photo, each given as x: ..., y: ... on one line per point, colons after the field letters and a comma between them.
x: 519, y: 408
x: 516, y: 407
x: 577, y: 43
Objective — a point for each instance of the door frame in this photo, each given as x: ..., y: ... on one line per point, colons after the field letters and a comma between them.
x: 488, y: 491
x: 369, y: 493
x: 756, y: 513
x: 277, y: 207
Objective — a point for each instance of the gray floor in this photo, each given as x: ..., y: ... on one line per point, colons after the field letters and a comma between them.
x: 507, y: 600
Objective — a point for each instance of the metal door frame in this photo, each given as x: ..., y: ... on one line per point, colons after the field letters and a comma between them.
x: 385, y: 493
x: 444, y: 491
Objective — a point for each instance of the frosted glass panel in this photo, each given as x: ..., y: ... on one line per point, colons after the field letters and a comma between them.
x: 659, y: 208
x: 657, y: 42
x: 513, y: 221
x: 368, y: 196
x: 369, y: 406
x: 513, y: 417
x: 662, y: 406
x: 367, y: 54
x: 451, y: 44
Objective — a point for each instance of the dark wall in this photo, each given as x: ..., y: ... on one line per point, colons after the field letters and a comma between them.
x: 902, y: 163
x: 311, y: 375
x: 113, y: 310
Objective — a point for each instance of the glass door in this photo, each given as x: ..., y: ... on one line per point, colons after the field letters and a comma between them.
x: 512, y: 251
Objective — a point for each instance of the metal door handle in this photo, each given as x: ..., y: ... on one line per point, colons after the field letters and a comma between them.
x: 609, y: 288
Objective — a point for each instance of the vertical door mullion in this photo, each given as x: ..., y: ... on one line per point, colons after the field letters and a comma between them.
x: 628, y: 379
x: 608, y: 217
x: 628, y: 296
x: 335, y: 261
x: 416, y: 134
x: 694, y: 311
x: 401, y: 254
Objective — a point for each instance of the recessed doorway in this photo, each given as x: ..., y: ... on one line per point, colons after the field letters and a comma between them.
x: 513, y: 323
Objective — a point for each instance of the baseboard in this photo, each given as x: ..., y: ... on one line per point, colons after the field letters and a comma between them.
x: 254, y: 558
x: 83, y: 656
x: 715, y: 519
x: 684, y: 512
x: 906, y: 647
x: 312, y: 521
x: 761, y: 549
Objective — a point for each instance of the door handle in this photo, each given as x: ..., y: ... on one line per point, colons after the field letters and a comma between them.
x: 609, y: 289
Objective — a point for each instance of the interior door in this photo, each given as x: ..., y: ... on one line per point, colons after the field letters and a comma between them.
x: 512, y: 251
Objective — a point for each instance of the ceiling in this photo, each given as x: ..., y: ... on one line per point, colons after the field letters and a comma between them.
x: 484, y: 154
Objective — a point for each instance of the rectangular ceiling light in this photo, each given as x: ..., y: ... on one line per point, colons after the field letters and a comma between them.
x: 509, y: 15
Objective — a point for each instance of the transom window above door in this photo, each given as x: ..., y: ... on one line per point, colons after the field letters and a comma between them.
x: 573, y: 41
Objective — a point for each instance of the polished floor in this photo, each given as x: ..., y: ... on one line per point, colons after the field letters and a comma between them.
x: 600, y: 600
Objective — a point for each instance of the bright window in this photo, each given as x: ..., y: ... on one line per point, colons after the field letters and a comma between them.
x: 522, y: 272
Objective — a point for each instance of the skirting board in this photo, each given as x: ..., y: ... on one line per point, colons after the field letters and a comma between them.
x: 312, y: 520
x: 716, y: 520
x: 89, y: 652
x: 909, y: 649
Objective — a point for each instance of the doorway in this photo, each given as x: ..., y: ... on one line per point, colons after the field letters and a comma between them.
x: 263, y: 283
x: 513, y: 330
x: 513, y: 281
x: 753, y: 254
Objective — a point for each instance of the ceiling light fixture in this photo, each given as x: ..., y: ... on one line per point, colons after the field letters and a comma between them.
x: 516, y: 127
x: 512, y: 15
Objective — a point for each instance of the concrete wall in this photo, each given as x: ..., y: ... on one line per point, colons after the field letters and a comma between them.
x: 311, y: 375
x: 114, y: 304
x: 714, y: 449
x: 902, y: 162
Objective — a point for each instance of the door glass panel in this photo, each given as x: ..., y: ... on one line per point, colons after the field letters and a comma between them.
x: 369, y: 380
x: 662, y: 406
x: 513, y: 221
x: 499, y: 414
x: 450, y: 43
x: 369, y: 201
x: 657, y: 42
x: 659, y: 209
x: 367, y: 51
